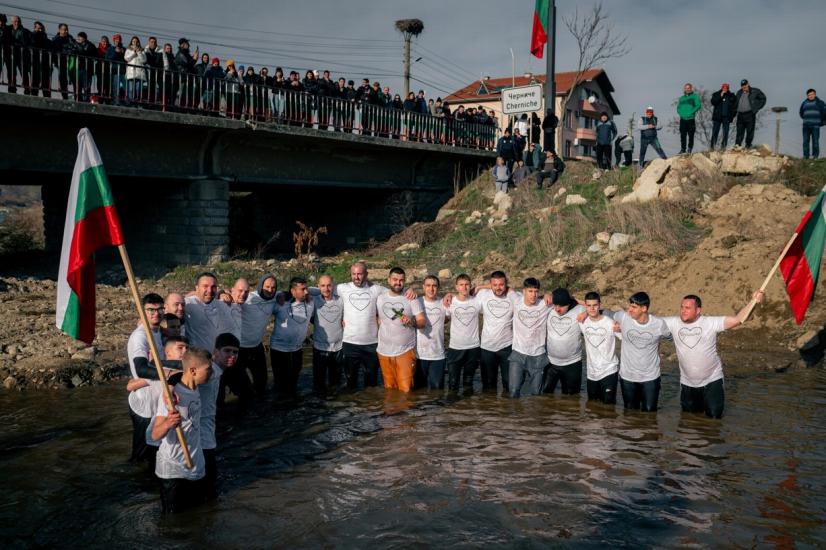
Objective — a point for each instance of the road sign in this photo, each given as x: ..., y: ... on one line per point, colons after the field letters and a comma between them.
x: 522, y: 99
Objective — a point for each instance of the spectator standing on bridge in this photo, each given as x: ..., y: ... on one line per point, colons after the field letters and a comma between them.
x: 185, y: 67
x: 63, y: 44
x: 326, y: 90
x: 84, y: 66
x: 233, y: 87
x: 20, y: 60
x: 251, y: 82
x: 41, y: 61
x: 154, y: 66
x: 212, y: 96
x: 723, y: 113
x: 170, y: 84
x: 104, y: 69
x: 200, y: 71
x: 135, y: 71
x: 5, y: 46
x: 606, y: 131
x: 648, y: 135
x: 813, y: 113
x: 687, y: 107
x: 119, y: 71
x: 748, y: 103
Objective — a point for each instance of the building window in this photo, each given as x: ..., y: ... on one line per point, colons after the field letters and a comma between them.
x: 586, y: 150
x: 589, y: 122
x: 567, y: 148
x: 569, y: 119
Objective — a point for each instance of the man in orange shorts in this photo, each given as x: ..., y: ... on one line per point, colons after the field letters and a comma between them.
x: 399, y: 318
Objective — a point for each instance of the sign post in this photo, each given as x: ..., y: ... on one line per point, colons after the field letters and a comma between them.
x: 522, y: 99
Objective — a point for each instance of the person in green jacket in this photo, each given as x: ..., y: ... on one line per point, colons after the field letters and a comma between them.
x: 687, y: 107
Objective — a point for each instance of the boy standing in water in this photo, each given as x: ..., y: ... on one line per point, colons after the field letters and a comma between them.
x: 180, y: 486
x: 600, y: 348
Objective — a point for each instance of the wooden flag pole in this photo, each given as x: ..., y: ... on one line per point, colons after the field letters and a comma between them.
x: 153, y: 349
x: 770, y: 275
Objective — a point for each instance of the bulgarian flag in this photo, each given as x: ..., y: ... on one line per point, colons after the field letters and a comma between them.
x: 91, y: 223
x: 539, y: 34
x: 801, y: 264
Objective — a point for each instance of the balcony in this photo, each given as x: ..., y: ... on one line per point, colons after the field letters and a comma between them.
x: 585, y: 134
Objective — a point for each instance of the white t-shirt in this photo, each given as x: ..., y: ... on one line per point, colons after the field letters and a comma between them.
x: 360, y: 312
x: 255, y: 315
x: 497, y: 316
x: 601, y: 347
x: 169, y: 463
x: 430, y: 340
x: 464, y: 323
x: 138, y: 346
x: 395, y: 338
x: 529, y: 327
x: 291, y: 323
x: 209, y: 406
x: 696, y: 344
x: 204, y: 322
x: 564, y: 336
x: 153, y: 391
x: 640, y: 353
x: 327, y: 329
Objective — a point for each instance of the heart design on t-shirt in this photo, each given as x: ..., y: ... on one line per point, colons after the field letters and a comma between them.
x: 360, y: 300
x: 464, y: 314
x: 639, y: 339
x: 595, y: 335
x: 690, y: 336
x: 388, y: 308
x: 530, y: 318
x: 499, y: 308
x: 330, y: 313
x: 561, y: 325
x: 433, y: 314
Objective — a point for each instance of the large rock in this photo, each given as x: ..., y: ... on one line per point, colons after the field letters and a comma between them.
x: 502, y: 201
x: 407, y: 246
x: 603, y: 237
x: 648, y: 185
x: 610, y: 191
x: 739, y: 164
x: 445, y: 274
x: 704, y: 165
x: 619, y: 240
x: 575, y: 199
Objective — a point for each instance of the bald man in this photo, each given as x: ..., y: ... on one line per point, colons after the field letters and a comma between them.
x: 239, y: 293
x: 174, y: 304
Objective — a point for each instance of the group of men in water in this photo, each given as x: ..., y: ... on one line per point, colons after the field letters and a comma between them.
x: 526, y: 341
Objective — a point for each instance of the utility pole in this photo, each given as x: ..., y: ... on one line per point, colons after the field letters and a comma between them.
x: 777, y: 111
x: 550, y: 67
x: 406, y: 65
x: 409, y: 28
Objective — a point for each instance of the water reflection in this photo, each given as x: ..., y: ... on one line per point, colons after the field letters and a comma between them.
x: 384, y: 469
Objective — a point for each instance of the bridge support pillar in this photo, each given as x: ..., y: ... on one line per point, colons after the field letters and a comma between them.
x: 199, y: 229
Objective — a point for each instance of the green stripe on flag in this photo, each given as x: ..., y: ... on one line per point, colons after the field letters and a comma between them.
x: 814, y: 237
x: 71, y: 318
x: 93, y: 191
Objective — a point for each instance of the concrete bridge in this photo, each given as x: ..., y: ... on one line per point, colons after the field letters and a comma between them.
x: 193, y: 188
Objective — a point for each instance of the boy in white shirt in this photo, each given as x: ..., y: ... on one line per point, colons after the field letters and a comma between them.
x: 430, y: 339
x: 399, y: 317
x: 701, y: 369
x: 180, y: 486
x: 600, y: 348
x: 528, y: 357
x: 564, y: 344
x: 463, y: 351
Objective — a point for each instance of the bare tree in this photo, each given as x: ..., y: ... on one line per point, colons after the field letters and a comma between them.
x: 596, y: 42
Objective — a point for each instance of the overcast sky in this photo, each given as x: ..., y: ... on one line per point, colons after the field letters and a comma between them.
x: 778, y: 46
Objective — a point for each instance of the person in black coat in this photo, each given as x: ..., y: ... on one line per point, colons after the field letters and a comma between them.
x: 20, y: 58
x: 506, y: 148
x: 41, y: 61
x: 85, y: 64
x: 185, y: 67
x: 747, y: 103
x: 724, y: 110
x: 63, y: 44
x: 549, y: 125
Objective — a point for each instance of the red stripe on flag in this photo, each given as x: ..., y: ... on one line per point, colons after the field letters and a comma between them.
x: 797, y: 274
x: 538, y: 36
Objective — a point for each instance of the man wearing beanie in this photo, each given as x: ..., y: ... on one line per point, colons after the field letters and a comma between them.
x: 748, y: 102
x: 724, y: 111
x: 564, y: 344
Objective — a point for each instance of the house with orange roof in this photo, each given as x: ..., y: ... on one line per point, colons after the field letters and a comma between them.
x: 576, y: 138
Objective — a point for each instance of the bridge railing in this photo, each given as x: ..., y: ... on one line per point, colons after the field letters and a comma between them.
x: 86, y: 79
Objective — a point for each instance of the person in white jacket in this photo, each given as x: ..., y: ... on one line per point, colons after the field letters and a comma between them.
x: 135, y: 59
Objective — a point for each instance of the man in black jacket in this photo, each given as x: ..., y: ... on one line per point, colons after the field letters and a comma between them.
x: 20, y: 55
x: 723, y: 114
x: 41, y: 61
x: 64, y: 45
x: 747, y: 102
x: 154, y: 69
x: 185, y: 67
x: 85, y: 65
x: 506, y: 148
x: 551, y: 169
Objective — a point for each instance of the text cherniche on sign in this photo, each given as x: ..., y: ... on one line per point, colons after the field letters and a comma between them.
x: 522, y: 99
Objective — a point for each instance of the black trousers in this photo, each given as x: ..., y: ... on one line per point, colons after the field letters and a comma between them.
x: 361, y: 357
x: 326, y: 370
x: 255, y: 361
x: 210, y: 479
x: 140, y: 450
x: 687, y: 130
x: 642, y: 396
x: 568, y: 376
x: 716, y: 126
x: 709, y: 399
x: 235, y: 378
x: 604, y: 390
x: 542, y: 175
x: 179, y: 494
x: 286, y: 366
x: 745, y: 127
x: 461, y: 367
x: 604, y: 156
x: 495, y: 363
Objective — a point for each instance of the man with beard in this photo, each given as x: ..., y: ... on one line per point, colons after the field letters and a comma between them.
x: 256, y: 311
x: 206, y: 317
x: 399, y: 317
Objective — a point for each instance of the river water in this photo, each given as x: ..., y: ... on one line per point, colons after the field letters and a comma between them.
x: 379, y: 470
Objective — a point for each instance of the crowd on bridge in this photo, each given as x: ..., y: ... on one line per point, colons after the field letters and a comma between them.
x: 160, y: 77
x: 522, y: 341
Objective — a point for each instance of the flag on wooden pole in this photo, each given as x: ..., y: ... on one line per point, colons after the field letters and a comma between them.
x: 91, y: 224
x: 801, y: 264
x: 539, y: 33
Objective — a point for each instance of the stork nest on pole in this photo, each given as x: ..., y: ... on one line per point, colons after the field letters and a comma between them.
x: 410, y: 27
